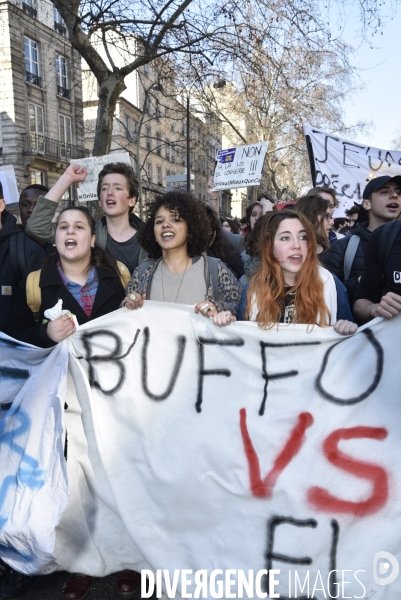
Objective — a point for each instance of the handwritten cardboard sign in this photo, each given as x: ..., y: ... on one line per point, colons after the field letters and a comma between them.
x: 87, y: 190
x: 239, y: 167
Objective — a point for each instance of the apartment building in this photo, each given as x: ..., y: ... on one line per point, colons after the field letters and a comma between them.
x: 41, y: 125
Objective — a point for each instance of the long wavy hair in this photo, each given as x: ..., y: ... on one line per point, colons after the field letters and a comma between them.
x: 315, y: 208
x: 267, y: 285
x: 98, y: 257
x: 248, y: 214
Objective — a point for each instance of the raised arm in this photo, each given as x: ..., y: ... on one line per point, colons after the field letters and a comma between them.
x: 40, y: 224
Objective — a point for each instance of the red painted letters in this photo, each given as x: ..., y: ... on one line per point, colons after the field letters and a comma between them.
x: 322, y: 500
x: 264, y: 488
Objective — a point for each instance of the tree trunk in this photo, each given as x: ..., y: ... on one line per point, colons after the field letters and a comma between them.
x: 109, y: 93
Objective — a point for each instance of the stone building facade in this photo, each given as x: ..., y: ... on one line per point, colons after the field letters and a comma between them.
x: 41, y: 108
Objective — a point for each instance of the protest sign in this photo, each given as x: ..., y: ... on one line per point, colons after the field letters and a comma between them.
x: 239, y: 167
x: 9, y: 184
x: 87, y: 190
x: 193, y: 447
x: 347, y: 166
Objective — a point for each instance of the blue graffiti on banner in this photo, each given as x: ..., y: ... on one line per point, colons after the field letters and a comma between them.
x: 30, y: 475
x: 226, y: 156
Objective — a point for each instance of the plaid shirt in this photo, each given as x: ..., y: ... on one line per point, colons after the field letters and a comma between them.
x: 85, y: 295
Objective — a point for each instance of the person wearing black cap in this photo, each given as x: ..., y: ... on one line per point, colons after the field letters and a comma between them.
x: 381, y: 204
x: 379, y: 289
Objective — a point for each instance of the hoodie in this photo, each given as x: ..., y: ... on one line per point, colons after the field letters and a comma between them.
x: 10, y: 277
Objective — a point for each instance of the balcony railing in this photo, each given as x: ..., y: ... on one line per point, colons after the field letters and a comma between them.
x: 60, y: 28
x: 29, y: 10
x: 63, y: 92
x: 32, y: 78
x: 44, y: 146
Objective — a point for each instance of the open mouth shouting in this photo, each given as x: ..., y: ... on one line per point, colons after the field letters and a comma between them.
x: 168, y: 235
x: 70, y: 243
x: 393, y: 207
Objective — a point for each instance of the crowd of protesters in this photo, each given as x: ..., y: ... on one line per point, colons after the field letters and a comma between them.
x: 282, y: 263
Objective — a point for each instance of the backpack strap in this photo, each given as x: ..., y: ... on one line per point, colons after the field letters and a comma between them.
x: 124, y: 273
x: 350, y: 254
x: 213, y: 264
x: 145, y: 265
x: 34, y: 293
x: 17, y: 254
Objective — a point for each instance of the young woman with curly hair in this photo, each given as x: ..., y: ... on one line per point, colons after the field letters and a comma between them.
x: 290, y: 286
x: 176, y: 237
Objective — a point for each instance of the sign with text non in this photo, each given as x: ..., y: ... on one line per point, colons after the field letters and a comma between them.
x: 239, y: 167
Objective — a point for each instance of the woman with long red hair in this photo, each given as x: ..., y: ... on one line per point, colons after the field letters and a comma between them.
x: 290, y: 286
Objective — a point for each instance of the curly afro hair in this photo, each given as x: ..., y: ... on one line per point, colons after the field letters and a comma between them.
x: 191, y: 211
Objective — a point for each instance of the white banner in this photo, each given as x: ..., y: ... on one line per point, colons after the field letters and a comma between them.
x: 33, y: 479
x: 198, y: 448
x: 239, y: 167
x: 347, y: 166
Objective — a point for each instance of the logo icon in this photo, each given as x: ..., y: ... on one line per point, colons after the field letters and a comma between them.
x: 382, y: 574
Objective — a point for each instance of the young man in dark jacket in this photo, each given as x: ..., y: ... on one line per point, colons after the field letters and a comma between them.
x: 116, y: 231
x: 18, y: 257
x: 382, y: 204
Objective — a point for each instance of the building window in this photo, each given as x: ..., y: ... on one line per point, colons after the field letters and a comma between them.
x: 126, y: 121
x: 158, y: 144
x: 37, y: 177
x: 149, y: 171
x: 59, y: 23
x: 62, y: 77
x: 172, y: 154
x: 67, y: 197
x: 32, y: 62
x: 167, y: 151
x: 136, y: 131
x: 30, y: 8
x: 148, y: 139
x: 146, y: 70
x: 36, y: 127
x: 159, y: 176
x: 157, y: 111
x: 64, y: 127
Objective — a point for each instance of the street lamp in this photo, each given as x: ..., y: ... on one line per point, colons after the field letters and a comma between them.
x: 218, y: 85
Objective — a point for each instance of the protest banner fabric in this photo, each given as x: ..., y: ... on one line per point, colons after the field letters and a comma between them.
x: 239, y: 167
x: 194, y: 447
x: 33, y: 479
x: 347, y: 166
